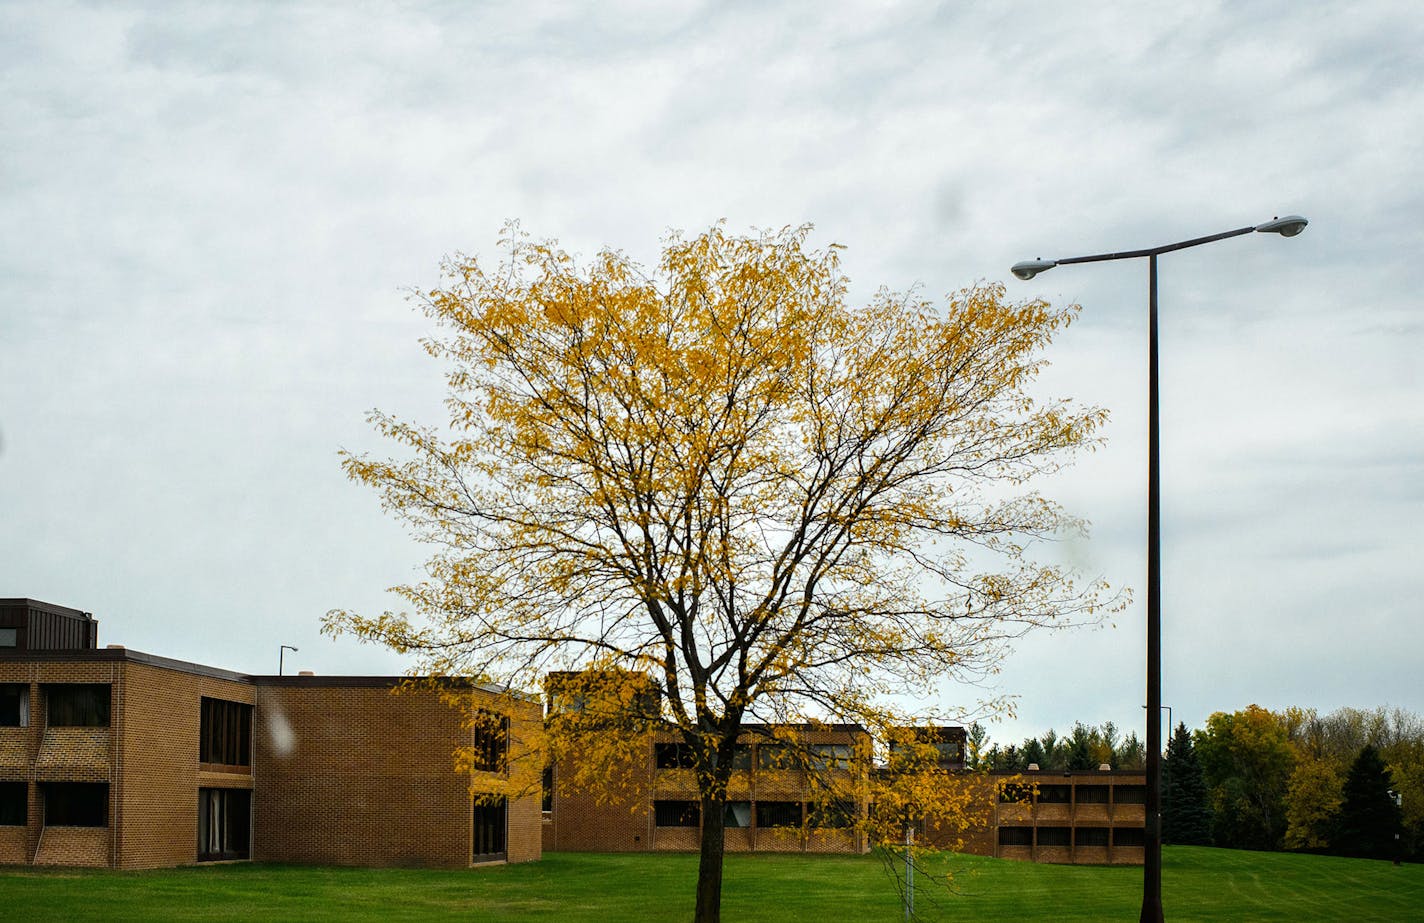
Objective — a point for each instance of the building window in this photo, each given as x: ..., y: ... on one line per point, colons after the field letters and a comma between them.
x: 741, y: 756
x: 676, y: 813
x: 778, y: 813
x: 547, y: 786
x: 1090, y: 836
x: 832, y: 814
x: 1015, y: 793
x: 774, y: 756
x: 77, y: 705
x: 673, y: 756
x: 491, y: 743
x: 14, y: 804
x: 1054, y: 836
x: 9, y: 637
x: 75, y: 804
x: 826, y: 757
x: 950, y: 752
x: 489, y: 830
x: 1128, y: 836
x: 1055, y: 794
x: 1130, y: 794
x: 224, y: 823
x: 737, y: 815
x: 14, y: 705
x: 225, y: 735
x: 1092, y: 794
x: 1015, y: 836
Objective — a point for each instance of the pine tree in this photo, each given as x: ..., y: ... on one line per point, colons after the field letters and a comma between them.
x: 1186, y: 815
x: 1369, y: 819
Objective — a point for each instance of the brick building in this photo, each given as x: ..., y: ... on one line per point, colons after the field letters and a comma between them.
x: 771, y: 806
x: 116, y: 758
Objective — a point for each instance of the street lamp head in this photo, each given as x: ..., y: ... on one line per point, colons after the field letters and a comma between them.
x: 1289, y: 226
x: 1027, y: 269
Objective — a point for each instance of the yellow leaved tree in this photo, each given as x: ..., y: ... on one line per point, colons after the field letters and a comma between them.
x: 771, y: 507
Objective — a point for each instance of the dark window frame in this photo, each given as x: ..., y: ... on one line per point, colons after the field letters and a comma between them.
x: 1015, y: 836
x: 224, y: 824
x: 778, y: 815
x: 673, y: 755
x: 1054, y: 793
x: 673, y: 813
x: 1129, y: 794
x: 225, y: 732
x: 489, y: 742
x: 75, y: 804
x: 14, y: 804
x: 78, y: 704
x: 14, y: 705
x: 489, y: 830
x: 1090, y: 836
x: 1053, y: 836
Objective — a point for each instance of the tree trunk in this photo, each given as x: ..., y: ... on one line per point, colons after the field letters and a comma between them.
x: 709, y: 865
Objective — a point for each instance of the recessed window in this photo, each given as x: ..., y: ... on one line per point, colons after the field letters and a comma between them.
x: 737, y: 815
x: 1092, y: 794
x: 1055, y: 794
x: 9, y: 637
x: 676, y: 813
x: 741, y: 756
x: 774, y: 756
x: 225, y: 735
x: 673, y: 756
x: 490, y: 820
x: 546, y: 805
x: 14, y: 804
x: 1014, y: 793
x: 1015, y: 836
x: 75, y: 804
x: 491, y: 742
x: 778, y: 813
x: 77, y: 705
x: 1054, y: 836
x: 1128, y: 836
x: 1130, y: 794
x: 830, y: 756
x: 14, y: 705
x: 1090, y: 836
x: 832, y: 814
x: 224, y: 824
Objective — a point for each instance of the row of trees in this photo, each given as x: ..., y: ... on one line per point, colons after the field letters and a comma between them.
x: 1087, y: 746
x: 1258, y: 779
x: 1298, y: 780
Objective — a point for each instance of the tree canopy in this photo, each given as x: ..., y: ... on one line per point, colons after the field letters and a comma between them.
x: 775, y: 506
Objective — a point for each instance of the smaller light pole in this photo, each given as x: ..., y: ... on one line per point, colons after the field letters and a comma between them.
x: 282, y: 653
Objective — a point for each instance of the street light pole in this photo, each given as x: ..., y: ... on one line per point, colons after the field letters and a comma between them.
x: 281, y: 655
x: 1289, y: 226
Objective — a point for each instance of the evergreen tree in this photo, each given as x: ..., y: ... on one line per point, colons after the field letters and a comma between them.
x: 1032, y: 753
x: 1186, y: 813
x: 1080, y: 748
x: 1369, y: 819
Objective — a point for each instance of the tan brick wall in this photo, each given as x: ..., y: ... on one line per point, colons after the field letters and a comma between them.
x: 72, y: 755
x: 157, y: 763
x: 82, y: 846
x: 357, y: 775
x: 587, y: 821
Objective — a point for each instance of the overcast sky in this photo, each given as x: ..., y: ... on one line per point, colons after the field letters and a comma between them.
x: 209, y: 214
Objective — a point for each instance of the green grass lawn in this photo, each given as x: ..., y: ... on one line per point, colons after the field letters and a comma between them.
x: 1199, y: 884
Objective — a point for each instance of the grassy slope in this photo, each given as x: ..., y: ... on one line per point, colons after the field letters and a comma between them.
x: 1200, y: 884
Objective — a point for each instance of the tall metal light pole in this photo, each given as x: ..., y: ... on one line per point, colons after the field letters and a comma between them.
x: 281, y: 655
x: 1289, y: 226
